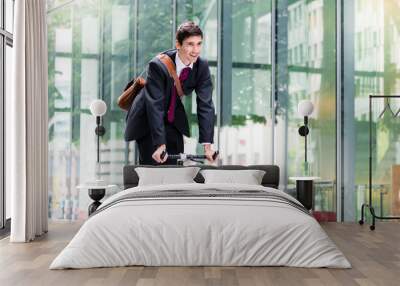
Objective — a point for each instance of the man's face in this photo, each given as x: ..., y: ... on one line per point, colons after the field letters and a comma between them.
x: 190, y: 49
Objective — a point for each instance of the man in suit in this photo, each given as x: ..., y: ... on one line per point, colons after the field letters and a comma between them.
x: 157, y: 119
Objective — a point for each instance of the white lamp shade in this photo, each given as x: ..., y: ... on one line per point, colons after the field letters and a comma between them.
x: 305, y: 107
x: 98, y: 107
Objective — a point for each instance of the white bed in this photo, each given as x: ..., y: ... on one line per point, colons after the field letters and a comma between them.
x: 185, y: 230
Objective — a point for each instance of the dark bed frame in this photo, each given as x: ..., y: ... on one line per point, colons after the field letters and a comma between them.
x: 270, y: 179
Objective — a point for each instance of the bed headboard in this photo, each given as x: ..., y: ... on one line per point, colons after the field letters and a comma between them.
x: 270, y: 179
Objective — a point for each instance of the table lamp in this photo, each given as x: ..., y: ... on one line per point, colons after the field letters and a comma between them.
x: 98, y: 108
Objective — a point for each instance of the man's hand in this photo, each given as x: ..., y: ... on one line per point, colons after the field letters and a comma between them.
x: 157, y: 154
x: 209, y: 152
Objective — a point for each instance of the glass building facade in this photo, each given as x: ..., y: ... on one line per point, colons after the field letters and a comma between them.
x: 265, y: 56
x: 376, y: 71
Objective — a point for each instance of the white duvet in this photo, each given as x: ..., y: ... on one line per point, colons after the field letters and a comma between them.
x: 200, y: 231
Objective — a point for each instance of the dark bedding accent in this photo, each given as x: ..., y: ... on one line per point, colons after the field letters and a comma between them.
x: 206, y: 194
x: 270, y: 179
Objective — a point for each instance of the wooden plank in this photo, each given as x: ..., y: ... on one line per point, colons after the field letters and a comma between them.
x: 374, y: 255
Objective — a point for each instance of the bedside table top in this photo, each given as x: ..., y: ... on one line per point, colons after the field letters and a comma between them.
x: 305, y: 178
x: 94, y: 186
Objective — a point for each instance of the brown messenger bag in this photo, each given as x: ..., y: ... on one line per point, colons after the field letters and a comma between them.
x: 133, y: 88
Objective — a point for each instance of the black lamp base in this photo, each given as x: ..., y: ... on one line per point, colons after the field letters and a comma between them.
x: 96, y: 195
x: 304, y: 190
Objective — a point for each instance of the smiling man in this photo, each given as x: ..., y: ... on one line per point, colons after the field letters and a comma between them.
x: 157, y: 118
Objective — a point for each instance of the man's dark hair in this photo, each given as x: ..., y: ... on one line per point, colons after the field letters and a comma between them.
x: 186, y: 30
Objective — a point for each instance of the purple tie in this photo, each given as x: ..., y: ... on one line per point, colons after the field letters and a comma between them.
x: 171, y: 110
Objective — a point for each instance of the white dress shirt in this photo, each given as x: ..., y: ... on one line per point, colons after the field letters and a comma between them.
x: 180, y: 65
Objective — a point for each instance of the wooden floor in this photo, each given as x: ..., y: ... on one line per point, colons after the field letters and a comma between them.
x: 374, y: 255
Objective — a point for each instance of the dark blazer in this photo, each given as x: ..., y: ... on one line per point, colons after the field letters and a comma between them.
x: 149, y: 110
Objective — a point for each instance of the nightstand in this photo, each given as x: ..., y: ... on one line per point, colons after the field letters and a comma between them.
x: 304, y: 190
x: 96, y: 192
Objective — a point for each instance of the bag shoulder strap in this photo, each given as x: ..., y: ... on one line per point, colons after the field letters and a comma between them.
x: 166, y: 60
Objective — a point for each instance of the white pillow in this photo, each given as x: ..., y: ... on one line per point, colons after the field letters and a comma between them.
x: 248, y: 177
x: 163, y: 176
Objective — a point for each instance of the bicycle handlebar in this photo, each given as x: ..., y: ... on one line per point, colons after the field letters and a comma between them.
x: 183, y: 156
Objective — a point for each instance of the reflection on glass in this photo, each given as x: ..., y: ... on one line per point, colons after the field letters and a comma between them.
x: 75, y: 79
x: 245, y: 136
x: 92, y: 54
x: 306, y: 69
x: 97, y: 62
x: 376, y: 62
